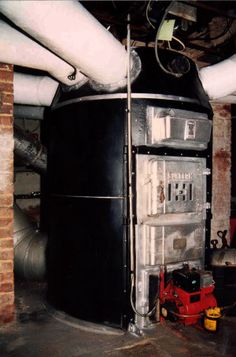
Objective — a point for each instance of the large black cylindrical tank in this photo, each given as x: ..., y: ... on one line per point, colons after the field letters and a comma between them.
x: 88, y: 250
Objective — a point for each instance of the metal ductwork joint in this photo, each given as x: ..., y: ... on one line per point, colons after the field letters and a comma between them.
x: 29, y: 248
x: 30, y: 150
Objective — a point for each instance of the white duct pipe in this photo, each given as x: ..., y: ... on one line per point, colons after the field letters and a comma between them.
x: 219, y: 80
x: 70, y: 31
x: 17, y: 48
x: 34, y: 90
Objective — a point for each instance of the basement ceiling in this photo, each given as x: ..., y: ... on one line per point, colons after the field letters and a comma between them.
x: 207, y: 39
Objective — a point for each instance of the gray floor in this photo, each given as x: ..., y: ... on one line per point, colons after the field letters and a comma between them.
x: 39, y: 332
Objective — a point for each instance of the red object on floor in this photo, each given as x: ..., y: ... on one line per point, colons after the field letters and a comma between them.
x: 185, y: 306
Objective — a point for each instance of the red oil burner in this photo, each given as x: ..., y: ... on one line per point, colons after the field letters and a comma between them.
x: 186, y: 294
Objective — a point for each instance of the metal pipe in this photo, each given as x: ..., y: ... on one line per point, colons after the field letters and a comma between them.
x: 129, y: 134
x: 30, y: 150
x: 29, y: 248
x: 28, y: 112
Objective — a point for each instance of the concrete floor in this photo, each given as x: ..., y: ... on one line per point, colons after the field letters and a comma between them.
x: 37, y: 332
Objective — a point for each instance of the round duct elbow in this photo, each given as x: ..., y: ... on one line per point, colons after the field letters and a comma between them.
x: 136, y: 67
x: 30, y: 256
x: 29, y: 248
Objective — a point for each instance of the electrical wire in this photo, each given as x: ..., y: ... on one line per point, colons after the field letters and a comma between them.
x: 149, y: 313
x: 177, y: 40
x: 177, y: 75
x: 147, y: 14
x: 180, y: 42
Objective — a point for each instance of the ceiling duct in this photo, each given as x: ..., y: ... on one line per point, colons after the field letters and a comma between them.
x: 219, y: 80
x: 19, y: 49
x: 71, y: 32
x: 34, y: 90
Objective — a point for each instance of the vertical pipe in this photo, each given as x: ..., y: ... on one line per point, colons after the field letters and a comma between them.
x: 129, y: 129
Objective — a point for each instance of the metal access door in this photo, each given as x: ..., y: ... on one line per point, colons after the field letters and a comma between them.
x: 171, y: 212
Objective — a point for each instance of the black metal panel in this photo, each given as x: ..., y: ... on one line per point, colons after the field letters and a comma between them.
x: 87, y: 259
x: 152, y: 79
x: 87, y: 142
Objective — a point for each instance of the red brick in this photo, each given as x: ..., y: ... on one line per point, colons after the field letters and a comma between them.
x: 6, y: 129
x: 6, y: 200
x: 6, y: 179
x: 6, y: 299
x: 6, y: 109
x: 6, y: 277
x: 7, y: 98
x: 4, y: 221
x: 6, y: 212
x: 7, y: 67
x: 6, y: 243
x: 6, y: 197
x: 6, y: 231
x: 6, y: 76
x: 6, y: 266
x: 6, y: 254
x: 7, y: 287
x: 6, y: 166
x: 6, y: 87
x: 6, y: 121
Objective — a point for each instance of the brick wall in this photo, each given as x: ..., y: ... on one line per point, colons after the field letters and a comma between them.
x: 221, y: 174
x: 6, y: 194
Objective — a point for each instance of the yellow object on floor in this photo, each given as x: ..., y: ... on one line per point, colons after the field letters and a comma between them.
x: 211, y: 319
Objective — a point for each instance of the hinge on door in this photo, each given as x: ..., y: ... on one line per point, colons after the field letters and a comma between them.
x: 207, y: 205
x: 206, y: 171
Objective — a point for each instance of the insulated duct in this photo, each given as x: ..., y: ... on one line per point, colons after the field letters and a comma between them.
x: 219, y: 80
x: 71, y: 32
x: 19, y: 49
x: 29, y: 248
x: 34, y: 90
x: 30, y: 150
